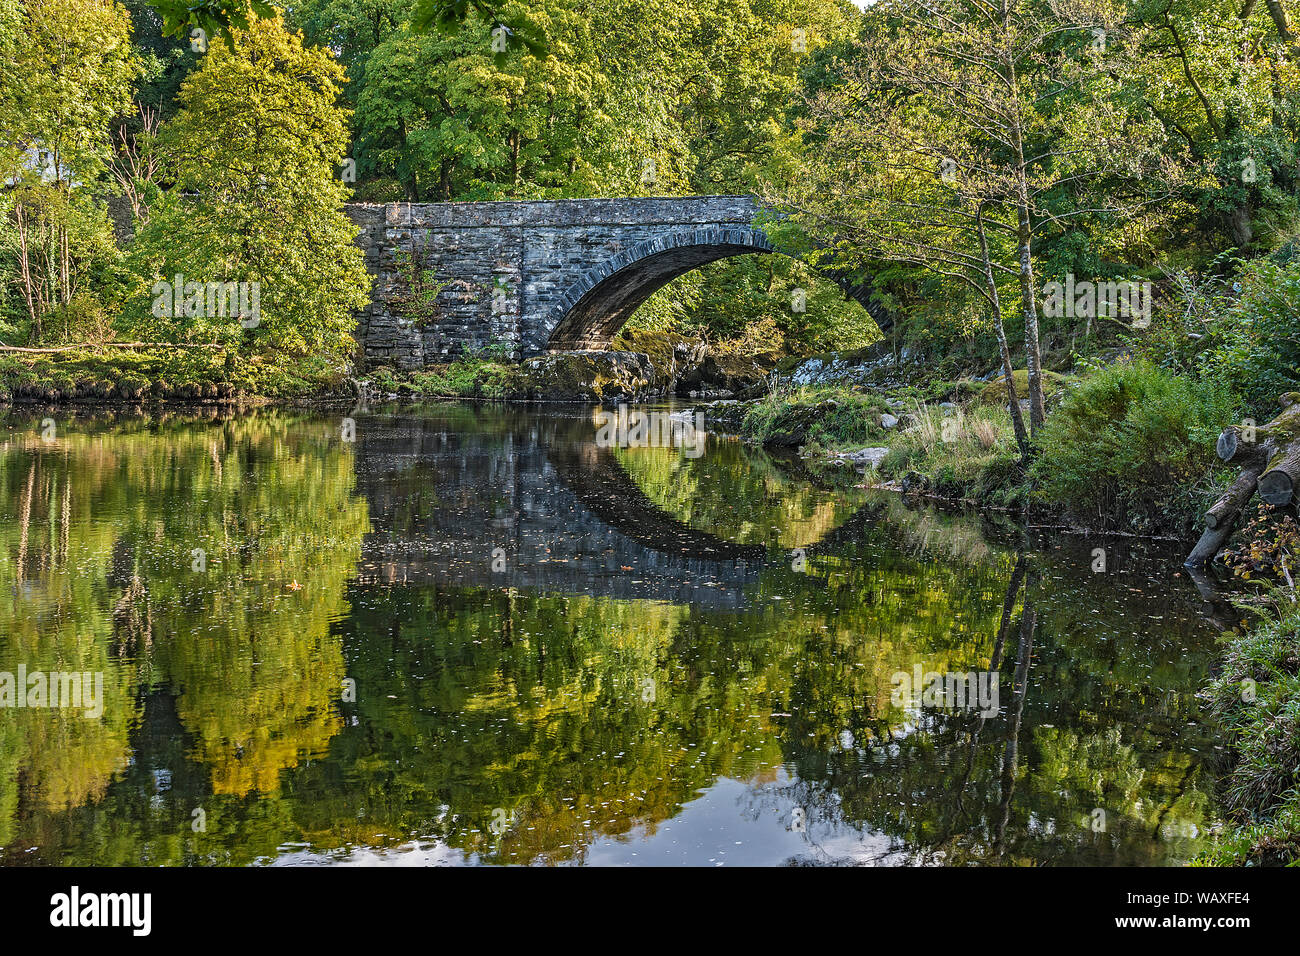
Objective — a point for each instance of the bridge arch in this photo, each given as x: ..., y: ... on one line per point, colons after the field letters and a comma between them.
x: 596, y: 306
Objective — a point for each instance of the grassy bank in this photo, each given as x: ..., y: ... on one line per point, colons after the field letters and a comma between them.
x: 967, y: 454
x: 1257, y: 700
x: 156, y: 374
x: 1128, y: 447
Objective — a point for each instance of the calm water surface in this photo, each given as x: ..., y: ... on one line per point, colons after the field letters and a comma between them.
x: 472, y: 636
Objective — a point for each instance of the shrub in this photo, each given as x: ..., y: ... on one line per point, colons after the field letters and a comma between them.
x: 481, y: 374
x: 1256, y: 698
x: 1133, y: 442
x: 1254, y: 341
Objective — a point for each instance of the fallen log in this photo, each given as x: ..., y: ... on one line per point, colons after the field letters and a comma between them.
x: 1277, y: 485
x: 1225, y: 510
x: 1238, y: 446
x: 1221, y: 518
x: 1270, y: 465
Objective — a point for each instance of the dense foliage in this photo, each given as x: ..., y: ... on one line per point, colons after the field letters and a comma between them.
x: 253, y: 151
x: 1133, y: 439
x: 899, y: 142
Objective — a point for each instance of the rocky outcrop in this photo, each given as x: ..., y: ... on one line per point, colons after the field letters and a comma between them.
x: 874, y: 366
x: 586, y: 375
x: 720, y: 376
x: 689, y: 367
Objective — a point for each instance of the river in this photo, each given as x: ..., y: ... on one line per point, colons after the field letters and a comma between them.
x: 463, y: 634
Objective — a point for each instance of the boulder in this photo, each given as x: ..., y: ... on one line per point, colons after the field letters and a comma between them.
x: 583, y: 376
x: 863, y: 458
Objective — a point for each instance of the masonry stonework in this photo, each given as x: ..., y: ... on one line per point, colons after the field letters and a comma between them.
x: 528, y: 277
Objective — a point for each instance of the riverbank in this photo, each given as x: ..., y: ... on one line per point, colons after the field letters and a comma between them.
x: 637, y: 367
x: 1256, y: 699
x: 121, y: 376
x: 1126, y: 448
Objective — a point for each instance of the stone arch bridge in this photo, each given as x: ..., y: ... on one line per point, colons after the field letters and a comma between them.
x: 536, y: 276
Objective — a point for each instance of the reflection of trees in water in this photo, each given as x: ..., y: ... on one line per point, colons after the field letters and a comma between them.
x: 945, y: 787
x: 729, y: 686
x: 108, y: 585
x: 476, y: 699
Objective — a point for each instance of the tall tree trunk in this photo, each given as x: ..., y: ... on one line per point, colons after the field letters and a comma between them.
x: 1004, y: 349
x: 1278, y: 13
x: 1029, y: 305
x: 65, y: 270
x: 1239, y: 227
x: 25, y: 271
x: 1024, y: 237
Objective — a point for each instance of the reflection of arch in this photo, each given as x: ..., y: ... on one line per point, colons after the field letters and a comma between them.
x: 595, y: 307
x: 849, y: 530
x: 598, y: 480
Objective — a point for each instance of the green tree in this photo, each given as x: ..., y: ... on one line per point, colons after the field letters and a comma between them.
x: 1220, y: 77
x: 68, y: 68
x: 450, y: 117
x: 255, y: 151
x: 936, y: 150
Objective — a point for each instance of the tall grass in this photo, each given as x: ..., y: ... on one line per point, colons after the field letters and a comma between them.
x: 965, y: 454
x: 1256, y: 698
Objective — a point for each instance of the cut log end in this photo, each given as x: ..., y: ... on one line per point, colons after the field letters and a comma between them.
x: 1227, y: 444
x: 1277, y: 488
x: 1245, y: 447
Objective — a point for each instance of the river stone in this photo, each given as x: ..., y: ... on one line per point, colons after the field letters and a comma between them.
x: 865, y: 458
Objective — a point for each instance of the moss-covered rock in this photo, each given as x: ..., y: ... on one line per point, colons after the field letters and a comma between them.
x: 833, y: 418
x: 995, y: 392
x: 583, y: 376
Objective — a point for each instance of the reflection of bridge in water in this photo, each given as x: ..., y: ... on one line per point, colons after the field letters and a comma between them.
x: 564, y: 514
